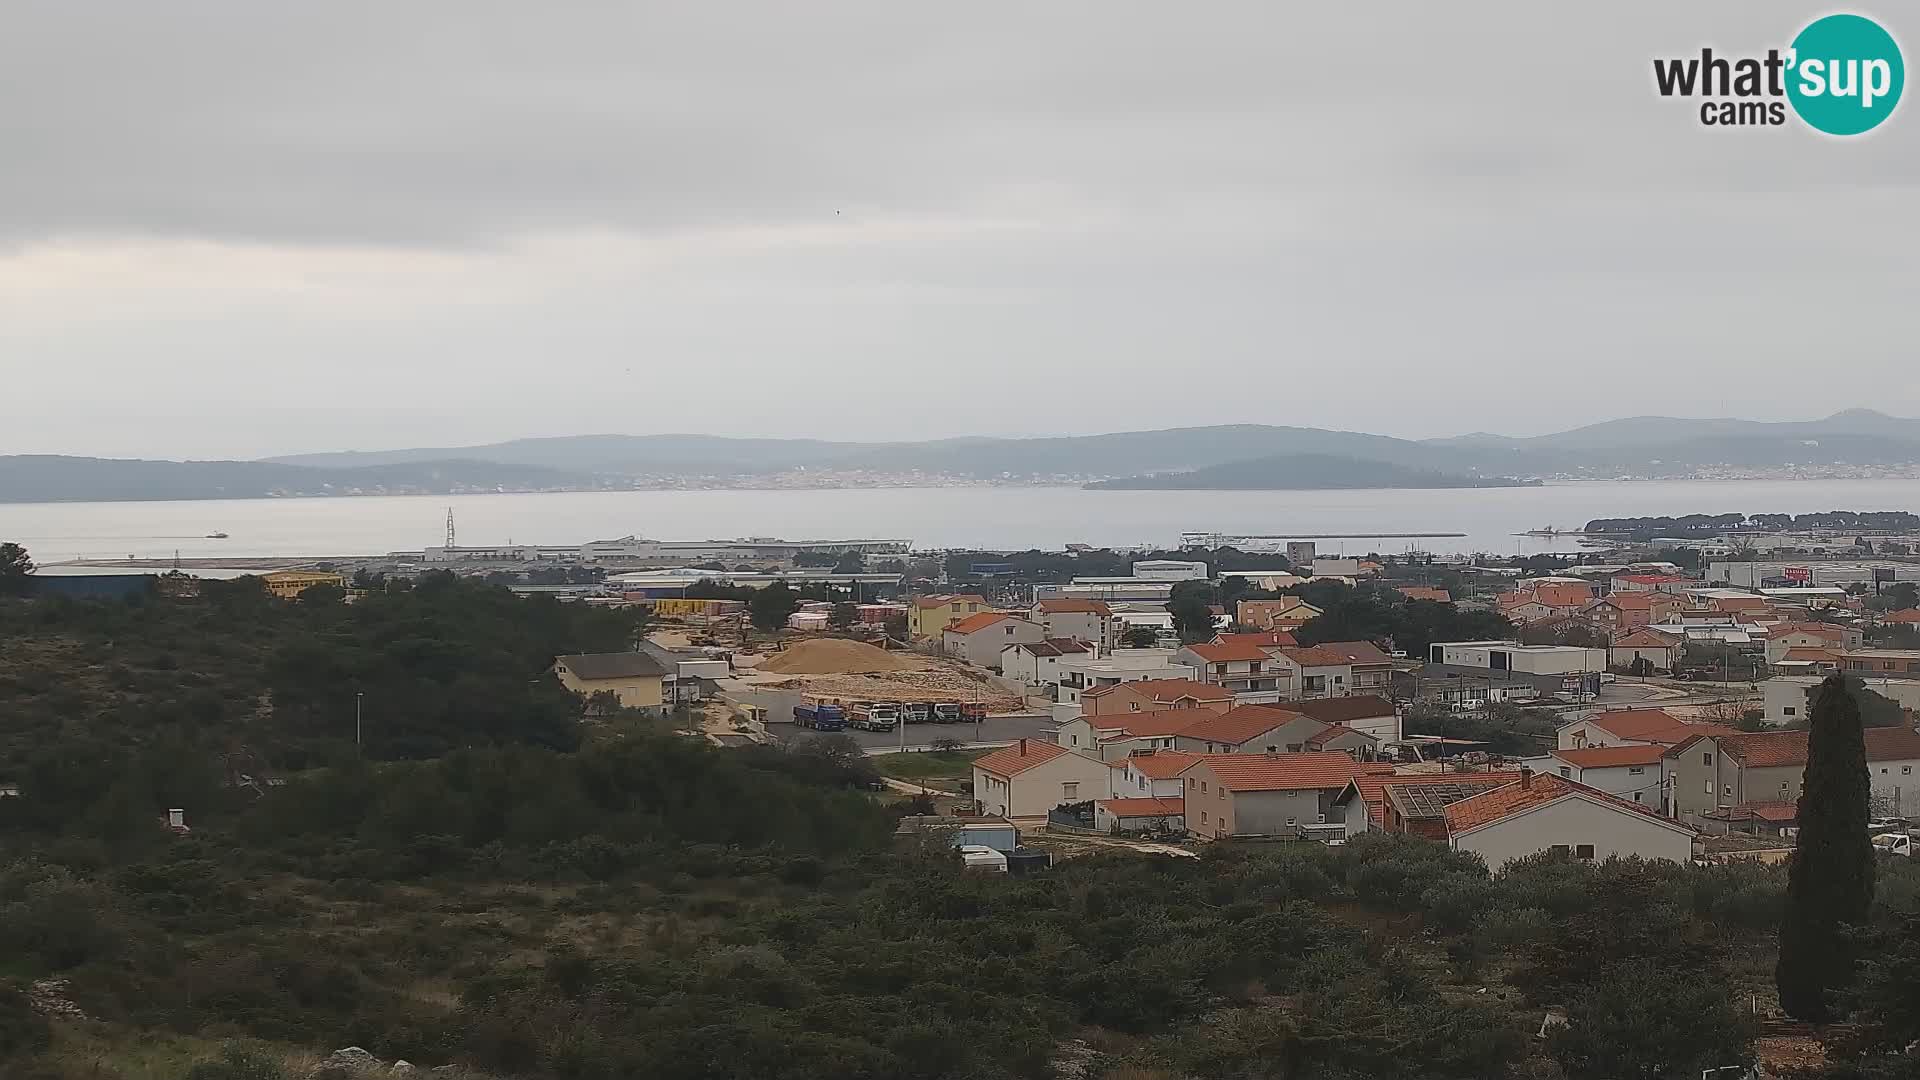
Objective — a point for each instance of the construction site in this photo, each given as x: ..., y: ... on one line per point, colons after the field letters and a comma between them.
x: 855, y: 672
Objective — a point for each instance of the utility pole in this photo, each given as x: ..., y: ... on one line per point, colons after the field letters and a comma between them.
x: 357, y: 696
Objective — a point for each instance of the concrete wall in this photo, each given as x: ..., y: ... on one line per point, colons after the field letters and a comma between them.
x: 982, y: 647
x: 1267, y: 813
x: 1573, y: 821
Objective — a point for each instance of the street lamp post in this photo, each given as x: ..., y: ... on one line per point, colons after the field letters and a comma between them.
x: 357, y: 696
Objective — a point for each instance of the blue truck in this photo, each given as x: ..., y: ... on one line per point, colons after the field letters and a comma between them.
x: 820, y: 716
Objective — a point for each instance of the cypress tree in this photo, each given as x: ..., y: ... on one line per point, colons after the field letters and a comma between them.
x: 1830, y: 883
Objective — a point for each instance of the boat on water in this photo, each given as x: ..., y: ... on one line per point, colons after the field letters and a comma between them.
x: 216, y: 535
x: 1548, y: 530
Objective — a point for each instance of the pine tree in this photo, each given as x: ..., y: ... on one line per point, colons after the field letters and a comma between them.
x: 1830, y: 884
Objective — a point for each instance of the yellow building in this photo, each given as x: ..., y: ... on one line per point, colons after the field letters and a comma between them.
x: 289, y: 584
x: 930, y: 616
x: 634, y: 677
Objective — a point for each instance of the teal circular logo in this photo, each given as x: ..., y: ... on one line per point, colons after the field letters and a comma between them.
x: 1845, y: 74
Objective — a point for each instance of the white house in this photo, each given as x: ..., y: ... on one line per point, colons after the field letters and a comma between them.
x: 1633, y: 772
x: 1115, y: 736
x: 1632, y: 727
x: 1549, y: 813
x: 1032, y: 777
x: 1037, y: 663
x: 978, y: 639
x: 1086, y: 672
x: 1081, y: 620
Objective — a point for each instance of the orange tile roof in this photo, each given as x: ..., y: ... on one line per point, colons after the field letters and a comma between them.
x: 1161, y: 764
x: 1824, y: 630
x: 1907, y: 615
x: 1422, y: 592
x: 1631, y: 601
x: 1228, y: 652
x: 1530, y: 791
x: 1373, y: 786
x: 1335, y: 731
x: 1168, y: 690
x: 1811, y: 652
x: 1652, y: 725
x: 1356, y: 652
x: 1611, y: 757
x: 943, y: 601
x: 1780, y: 749
x: 1147, y: 725
x: 1280, y: 772
x: 1062, y: 607
x: 1151, y: 807
x: 1562, y: 595
x: 1021, y: 756
x: 1314, y: 656
x: 1236, y: 726
x: 976, y: 623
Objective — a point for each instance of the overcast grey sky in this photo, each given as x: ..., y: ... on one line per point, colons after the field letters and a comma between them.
x: 231, y: 229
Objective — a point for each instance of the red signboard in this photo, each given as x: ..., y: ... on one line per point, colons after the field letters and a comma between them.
x: 1798, y: 573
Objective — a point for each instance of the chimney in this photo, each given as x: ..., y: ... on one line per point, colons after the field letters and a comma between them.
x: 1526, y: 778
x: 1023, y: 748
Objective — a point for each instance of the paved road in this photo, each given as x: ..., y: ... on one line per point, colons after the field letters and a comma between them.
x: 995, y: 730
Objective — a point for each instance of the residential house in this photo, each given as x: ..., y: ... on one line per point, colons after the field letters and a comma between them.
x: 927, y: 616
x: 1031, y: 777
x: 1263, y: 794
x: 1151, y: 773
x: 1287, y: 613
x: 1633, y: 772
x: 1085, y: 673
x: 1322, y: 672
x: 1903, y: 617
x: 979, y: 639
x: 1249, y: 729
x: 1632, y: 727
x: 637, y: 680
x: 1786, y: 698
x: 1148, y: 695
x: 289, y: 584
x: 1881, y: 663
x: 1370, y: 714
x: 1082, y: 620
x: 1544, y: 600
x: 692, y: 676
x: 1409, y: 805
x: 1265, y: 639
x: 1804, y: 635
x: 1037, y: 663
x: 1729, y: 601
x: 1139, y: 815
x: 1116, y: 736
x: 1340, y: 737
x: 1716, y: 772
x: 1629, y: 649
x: 1370, y: 669
x: 1239, y: 668
x: 1551, y: 813
x: 1424, y: 592
x: 1629, y: 610
x: 1804, y: 660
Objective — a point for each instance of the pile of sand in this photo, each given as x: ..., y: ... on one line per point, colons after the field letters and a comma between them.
x: 834, y: 656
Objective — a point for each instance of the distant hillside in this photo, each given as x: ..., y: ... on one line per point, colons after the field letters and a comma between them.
x: 47, y: 478
x: 1286, y: 472
x: 1644, y: 444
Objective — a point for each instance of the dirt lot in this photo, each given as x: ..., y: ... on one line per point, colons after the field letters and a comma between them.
x: 929, y: 679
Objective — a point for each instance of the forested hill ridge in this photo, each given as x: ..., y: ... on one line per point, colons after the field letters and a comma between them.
x: 1708, y: 524
x: 1283, y: 472
x: 499, y: 885
x: 1637, y: 447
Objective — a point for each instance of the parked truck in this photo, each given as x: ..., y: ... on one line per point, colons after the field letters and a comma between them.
x: 973, y: 712
x: 917, y: 712
x: 820, y: 716
x: 875, y: 716
x: 947, y: 712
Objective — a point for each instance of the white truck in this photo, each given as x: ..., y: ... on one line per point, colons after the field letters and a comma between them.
x: 876, y: 716
x: 1894, y: 843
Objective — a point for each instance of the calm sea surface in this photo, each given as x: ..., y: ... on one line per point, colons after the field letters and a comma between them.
x: 930, y: 517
